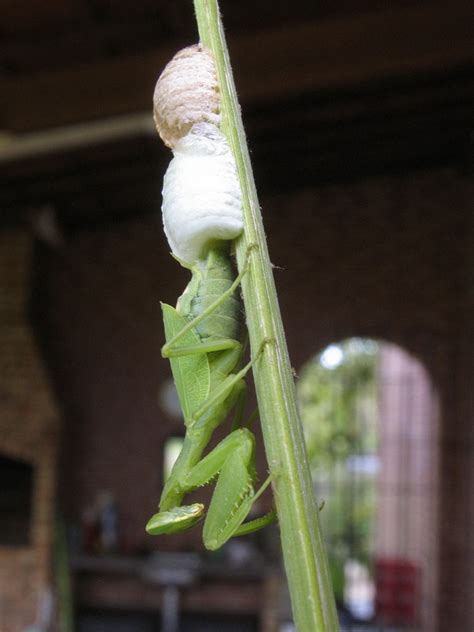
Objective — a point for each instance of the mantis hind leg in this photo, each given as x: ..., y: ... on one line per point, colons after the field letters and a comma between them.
x: 209, y: 346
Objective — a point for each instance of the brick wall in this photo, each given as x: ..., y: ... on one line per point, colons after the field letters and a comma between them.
x: 28, y: 431
x: 392, y: 259
x: 385, y: 258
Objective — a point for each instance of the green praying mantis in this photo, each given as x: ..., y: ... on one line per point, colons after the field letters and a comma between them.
x: 204, y: 344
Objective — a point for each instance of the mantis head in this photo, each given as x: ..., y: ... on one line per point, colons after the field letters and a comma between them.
x: 176, y: 520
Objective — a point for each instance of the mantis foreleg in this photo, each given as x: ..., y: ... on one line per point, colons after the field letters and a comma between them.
x: 233, y: 460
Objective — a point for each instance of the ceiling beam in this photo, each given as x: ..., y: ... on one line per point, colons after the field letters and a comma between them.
x: 269, y: 64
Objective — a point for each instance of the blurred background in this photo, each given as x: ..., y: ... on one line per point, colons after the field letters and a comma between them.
x: 359, y: 119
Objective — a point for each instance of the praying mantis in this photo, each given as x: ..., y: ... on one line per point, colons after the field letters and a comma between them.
x: 202, y: 215
x: 203, y: 343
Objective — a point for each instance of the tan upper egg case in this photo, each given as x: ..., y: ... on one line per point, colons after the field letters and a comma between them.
x: 186, y: 93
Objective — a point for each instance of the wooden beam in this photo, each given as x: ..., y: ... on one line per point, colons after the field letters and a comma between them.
x: 269, y: 64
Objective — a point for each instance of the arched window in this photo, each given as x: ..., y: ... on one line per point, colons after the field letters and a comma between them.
x: 370, y: 418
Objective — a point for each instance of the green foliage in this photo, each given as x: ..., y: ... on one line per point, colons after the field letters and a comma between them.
x: 337, y: 404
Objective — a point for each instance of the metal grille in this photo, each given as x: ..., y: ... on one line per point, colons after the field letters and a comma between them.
x: 370, y: 416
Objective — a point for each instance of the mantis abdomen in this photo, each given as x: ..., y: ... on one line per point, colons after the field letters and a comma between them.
x: 215, y: 276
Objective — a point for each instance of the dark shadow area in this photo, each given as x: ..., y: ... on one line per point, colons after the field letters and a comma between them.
x: 15, y: 502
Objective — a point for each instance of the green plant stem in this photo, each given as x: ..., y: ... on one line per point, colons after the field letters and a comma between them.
x: 303, y: 550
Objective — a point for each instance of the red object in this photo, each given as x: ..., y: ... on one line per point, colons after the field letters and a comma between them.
x: 397, y: 585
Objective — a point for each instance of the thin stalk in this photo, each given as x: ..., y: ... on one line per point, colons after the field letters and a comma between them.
x: 310, y: 587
